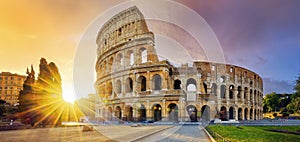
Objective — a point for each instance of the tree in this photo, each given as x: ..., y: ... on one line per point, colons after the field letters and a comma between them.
x: 41, y: 99
x: 271, y: 102
x: 294, y: 106
x: 297, y: 86
x: 26, y: 98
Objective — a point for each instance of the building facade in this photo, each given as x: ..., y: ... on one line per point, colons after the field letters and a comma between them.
x: 10, y: 87
x: 134, y: 85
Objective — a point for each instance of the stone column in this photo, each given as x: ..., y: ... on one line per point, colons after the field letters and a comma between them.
x: 164, y: 112
x: 148, y: 82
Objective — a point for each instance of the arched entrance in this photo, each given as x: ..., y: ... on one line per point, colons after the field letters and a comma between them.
x: 231, y: 113
x: 223, y: 113
x: 118, y: 112
x: 240, y: 111
x: 192, y: 111
x: 129, y: 113
x: 246, y: 114
x: 205, y: 113
x: 173, y: 112
x: 109, y: 115
x: 142, y: 113
x: 251, y: 114
x: 156, y: 112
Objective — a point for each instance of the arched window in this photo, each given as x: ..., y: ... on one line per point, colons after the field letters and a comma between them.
x: 119, y: 60
x: 214, y: 89
x: 143, y: 55
x: 156, y: 82
x: 177, y: 84
x: 231, y: 92
x: 129, y: 85
x: 118, y: 88
x: 246, y: 93
x: 129, y: 57
x: 191, y: 85
x: 222, y: 79
x: 223, y: 91
x: 239, y: 92
x: 131, y: 61
x: 205, y: 88
x: 142, y: 83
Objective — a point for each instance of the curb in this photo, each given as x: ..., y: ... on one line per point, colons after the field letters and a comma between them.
x: 207, y: 133
x: 157, y: 131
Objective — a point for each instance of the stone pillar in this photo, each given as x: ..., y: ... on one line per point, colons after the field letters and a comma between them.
x: 165, y: 80
x: 148, y: 82
x: 236, y: 113
x: 164, y: 109
x: 148, y: 111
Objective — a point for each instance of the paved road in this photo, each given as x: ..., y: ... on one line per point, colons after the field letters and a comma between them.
x: 185, y: 133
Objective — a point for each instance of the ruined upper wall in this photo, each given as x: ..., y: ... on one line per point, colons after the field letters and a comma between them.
x: 122, y: 27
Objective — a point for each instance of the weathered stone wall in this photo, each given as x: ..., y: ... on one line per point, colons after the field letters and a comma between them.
x: 132, y: 84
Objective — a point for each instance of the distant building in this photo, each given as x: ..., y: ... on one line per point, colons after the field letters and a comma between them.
x: 10, y: 86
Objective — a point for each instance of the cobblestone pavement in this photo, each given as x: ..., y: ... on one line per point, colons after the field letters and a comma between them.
x: 184, y: 133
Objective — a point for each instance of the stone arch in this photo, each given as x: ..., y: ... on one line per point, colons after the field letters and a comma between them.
x: 251, y: 95
x: 191, y: 84
x: 119, y: 60
x: 192, y: 111
x: 223, y: 113
x: 130, y: 57
x: 251, y: 114
x: 240, y: 114
x: 118, y: 88
x: 205, y: 113
x: 231, y: 92
x: 118, y: 112
x: 109, y: 114
x: 128, y: 113
x: 205, y: 88
x: 223, y: 91
x: 157, y: 113
x: 110, y: 64
x: 109, y: 89
x: 177, y: 84
x: 142, y: 113
x: 222, y: 79
x: 231, y: 113
x: 214, y: 89
x: 255, y: 117
x: 239, y: 91
x: 128, y: 85
x: 172, y: 112
x: 254, y: 96
x: 144, y: 54
x: 157, y: 82
x: 246, y: 93
x: 142, y: 83
x: 246, y: 114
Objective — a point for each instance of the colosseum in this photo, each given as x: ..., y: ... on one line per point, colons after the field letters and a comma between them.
x: 133, y: 84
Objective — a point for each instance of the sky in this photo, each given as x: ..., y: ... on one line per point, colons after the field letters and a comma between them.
x: 263, y: 36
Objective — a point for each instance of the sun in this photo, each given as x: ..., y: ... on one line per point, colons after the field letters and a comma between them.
x: 68, y: 95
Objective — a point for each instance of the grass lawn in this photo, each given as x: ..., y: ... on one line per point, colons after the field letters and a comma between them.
x: 256, y: 133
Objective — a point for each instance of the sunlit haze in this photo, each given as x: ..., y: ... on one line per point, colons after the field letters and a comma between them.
x: 264, y: 39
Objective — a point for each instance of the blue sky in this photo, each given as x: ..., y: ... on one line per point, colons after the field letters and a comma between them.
x: 263, y: 36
